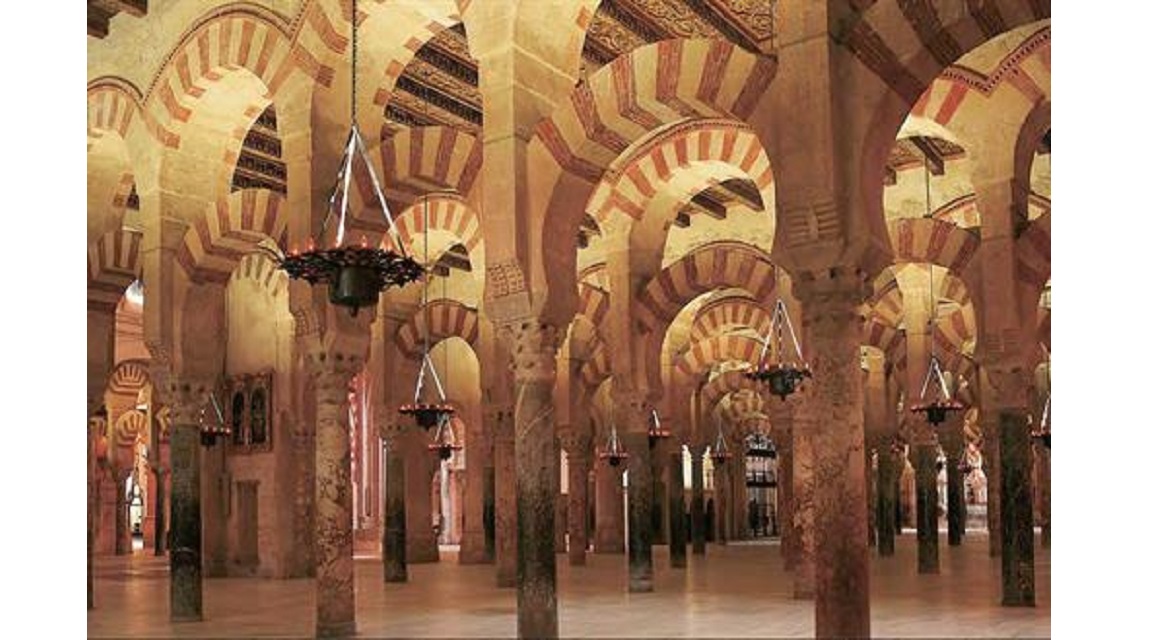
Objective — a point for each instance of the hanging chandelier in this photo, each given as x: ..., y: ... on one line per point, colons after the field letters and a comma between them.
x: 614, y: 452
x: 444, y: 443
x: 209, y: 430
x: 427, y: 413
x: 655, y: 429
x: 355, y: 274
x: 783, y: 376
x: 720, y: 451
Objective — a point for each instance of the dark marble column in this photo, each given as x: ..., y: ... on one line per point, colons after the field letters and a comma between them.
x: 832, y: 317
x: 159, y: 521
x: 781, y: 415
x: 95, y: 428
x: 721, y: 474
x: 639, y: 505
x: 991, y: 467
x: 505, y: 510
x: 1018, y: 546
x: 609, y: 508
x: 123, y: 533
x: 578, y: 457
x: 395, y: 520
x: 926, y: 506
x: 659, y: 495
x: 952, y: 441
x: 332, y: 373
x: 887, y: 490
x: 533, y: 347
x: 489, y: 514
x: 698, y: 524
x: 678, y: 534
x: 185, y: 583
x: 1043, y: 471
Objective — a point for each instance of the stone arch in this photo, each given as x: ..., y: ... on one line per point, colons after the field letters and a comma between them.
x: 216, y: 242
x: 598, y: 366
x: 933, y: 241
x: 741, y: 311
x: 574, y: 147
x: 904, y: 67
x: 711, y: 266
x: 444, y: 319
x: 261, y: 270
x: 128, y: 377
x: 420, y: 160
x: 723, y: 348
x: 446, y: 212
x: 594, y: 303
x: 723, y: 384
x: 114, y: 262
x: 113, y: 106
x: 130, y: 426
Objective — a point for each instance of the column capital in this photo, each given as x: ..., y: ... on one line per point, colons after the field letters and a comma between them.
x: 1008, y: 384
x: 832, y: 298
x: 533, y: 345
x: 332, y: 370
x: 187, y: 397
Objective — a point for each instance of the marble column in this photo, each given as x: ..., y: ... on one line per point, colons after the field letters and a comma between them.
x: 609, y: 508
x: 887, y: 490
x: 420, y: 466
x: 332, y: 373
x: 832, y: 317
x: 472, y: 549
x: 395, y: 521
x: 781, y: 415
x: 639, y: 504
x: 505, y: 507
x: 1017, y: 518
x: 871, y: 471
x: 803, y: 499
x: 991, y: 469
x: 561, y: 505
x: 739, y: 530
x: 489, y: 514
x: 533, y: 347
x: 95, y: 427
x: 159, y: 520
x: 185, y: 582
x: 952, y: 441
x: 698, y: 524
x: 578, y: 454
x: 721, y: 476
x: 659, y: 494
x: 123, y: 532
x: 678, y: 534
x: 926, y: 505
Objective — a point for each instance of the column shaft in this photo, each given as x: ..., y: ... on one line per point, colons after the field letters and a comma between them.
x: 639, y: 503
x: 1018, y: 537
x: 335, y: 584
x: 395, y: 521
x: 926, y: 508
x: 698, y: 525
x: 577, y: 507
x: 185, y: 583
x: 678, y: 532
x: 887, y: 488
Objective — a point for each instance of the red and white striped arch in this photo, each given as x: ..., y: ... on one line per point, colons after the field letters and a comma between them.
x: 721, y: 315
x: 444, y: 319
x: 128, y: 377
x: 711, y: 266
x: 702, y: 355
x: 445, y: 212
x: 114, y: 262
x: 421, y: 160
x: 216, y: 241
x: 937, y: 242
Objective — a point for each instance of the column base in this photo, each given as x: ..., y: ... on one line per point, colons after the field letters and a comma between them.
x: 339, y: 630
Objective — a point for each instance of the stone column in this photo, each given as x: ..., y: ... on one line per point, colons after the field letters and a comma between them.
x: 95, y: 429
x: 185, y: 583
x: 781, y: 415
x: 578, y: 454
x: 608, y: 508
x: 639, y: 505
x: 561, y: 505
x: 698, y: 526
x: 659, y: 493
x: 738, y: 510
x: 991, y: 469
x: 505, y: 506
x: 678, y: 535
x: 1043, y: 463
x: 887, y: 490
x: 159, y: 521
x: 803, y: 498
x: 395, y: 518
x: 123, y: 533
x: 332, y: 373
x: 952, y: 441
x: 1009, y: 398
x: 831, y: 314
x: 926, y: 504
x: 420, y: 466
x: 533, y: 346
x: 489, y: 514
x: 721, y: 475
x: 472, y: 549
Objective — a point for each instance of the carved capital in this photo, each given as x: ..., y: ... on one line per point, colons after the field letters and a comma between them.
x: 533, y: 346
x: 332, y: 372
x: 1008, y: 386
x: 187, y: 398
x: 832, y: 300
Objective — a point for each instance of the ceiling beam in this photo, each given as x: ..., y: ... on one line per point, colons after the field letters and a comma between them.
x: 743, y: 190
x: 930, y: 153
x: 98, y: 21
x: 708, y: 204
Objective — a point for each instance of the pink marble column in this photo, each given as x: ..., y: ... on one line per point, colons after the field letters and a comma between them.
x: 781, y: 413
x: 123, y: 534
x: 395, y: 545
x: 506, y: 517
x: 533, y: 349
x: 803, y: 497
x: 420, y: 466
x: 831, y: 314
x: 579, y: 455
x: 332, y: 373
x: 472, y: 549
x: 608, y: 508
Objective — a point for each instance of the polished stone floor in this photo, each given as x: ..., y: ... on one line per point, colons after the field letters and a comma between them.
x: 739, y: 590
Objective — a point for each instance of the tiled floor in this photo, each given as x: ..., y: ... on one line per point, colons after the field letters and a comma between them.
x: 736, y: 591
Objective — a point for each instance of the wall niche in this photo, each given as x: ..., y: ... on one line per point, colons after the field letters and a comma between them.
x: 250, y: 412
